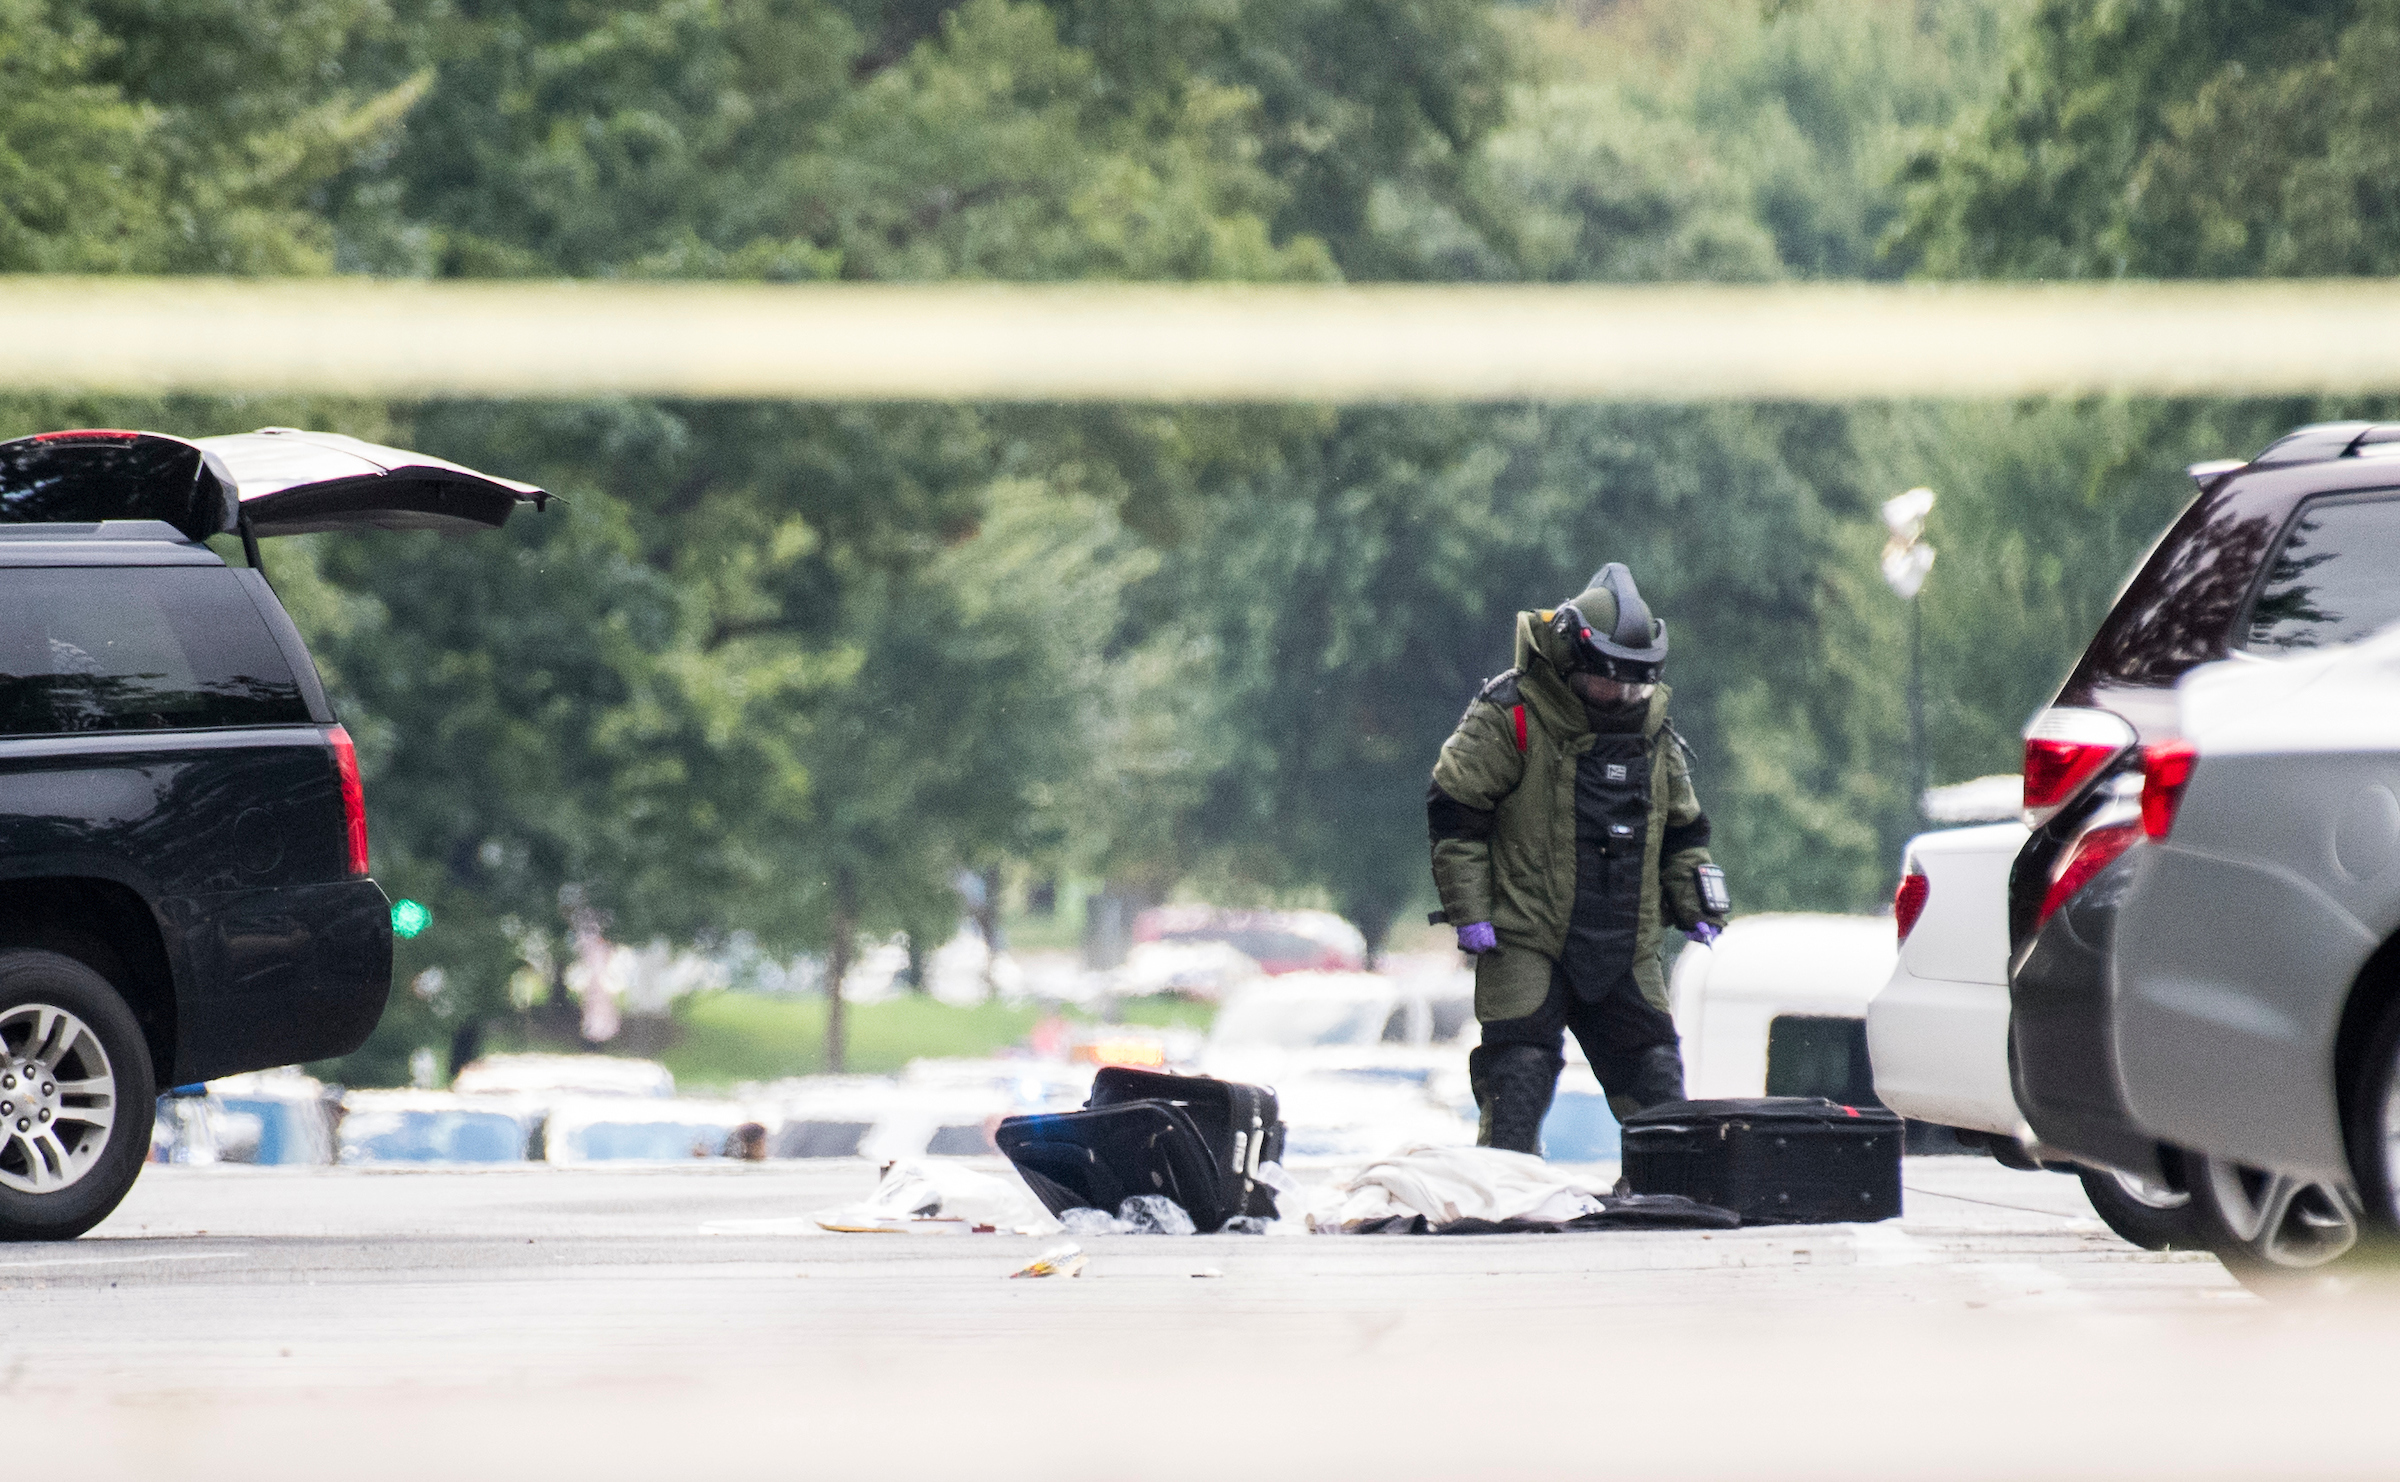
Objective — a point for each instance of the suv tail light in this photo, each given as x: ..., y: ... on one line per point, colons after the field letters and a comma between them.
x: 354, y: 799
x: 2094, y: 852
x: 1908, y: 902
x: 2166, y: 768
x: 2064, y: 750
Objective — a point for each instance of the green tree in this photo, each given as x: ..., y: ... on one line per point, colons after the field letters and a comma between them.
x: 754, y: 679
x: 2213, y: 138
x: 1356, y: 590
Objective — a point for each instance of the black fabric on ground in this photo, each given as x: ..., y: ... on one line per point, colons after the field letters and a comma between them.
x: 1617, y: 1212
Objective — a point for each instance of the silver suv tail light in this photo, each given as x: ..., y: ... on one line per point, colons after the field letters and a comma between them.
x: 2065, y: 748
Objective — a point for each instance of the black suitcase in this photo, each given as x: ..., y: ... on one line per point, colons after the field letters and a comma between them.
x: 1773, y: 1160
x: 1196, y: 1140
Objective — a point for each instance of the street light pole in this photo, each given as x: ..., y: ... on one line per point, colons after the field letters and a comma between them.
x: 1907, y: 560
x: 1920, y: 770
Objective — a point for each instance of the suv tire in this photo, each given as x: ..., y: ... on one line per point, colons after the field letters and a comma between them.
x: 2280, y: 1235
x: 2371, y: 1126
x: 2140, y: 1212
x: 77, y: 1092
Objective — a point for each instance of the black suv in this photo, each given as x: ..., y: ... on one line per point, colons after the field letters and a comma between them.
x: 2297, y: 548
x: 183, y: 840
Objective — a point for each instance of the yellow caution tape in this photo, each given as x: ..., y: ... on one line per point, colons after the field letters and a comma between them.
x: 1196, y: 343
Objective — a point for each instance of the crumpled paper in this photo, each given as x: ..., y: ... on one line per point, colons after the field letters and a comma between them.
x: 942, y: 1199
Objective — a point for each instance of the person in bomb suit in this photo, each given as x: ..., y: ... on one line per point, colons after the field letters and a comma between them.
x: 1566, y: 838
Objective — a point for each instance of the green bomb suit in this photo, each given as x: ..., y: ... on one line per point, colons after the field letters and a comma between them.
x: 1575, y: 831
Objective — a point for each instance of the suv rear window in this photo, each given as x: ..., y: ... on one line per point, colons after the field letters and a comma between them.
x: 137, y: 649
x: 2336, y: 578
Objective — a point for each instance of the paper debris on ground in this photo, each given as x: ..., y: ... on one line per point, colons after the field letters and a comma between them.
x: 918, y: 1198
x: 1059, y: 1260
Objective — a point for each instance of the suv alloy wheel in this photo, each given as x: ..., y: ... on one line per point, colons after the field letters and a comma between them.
x: 2280, y: 1234
x: 2152, y: 1216
x: 75, y: 1096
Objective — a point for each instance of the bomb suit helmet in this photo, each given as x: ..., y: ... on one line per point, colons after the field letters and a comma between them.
x: 1608, y: 630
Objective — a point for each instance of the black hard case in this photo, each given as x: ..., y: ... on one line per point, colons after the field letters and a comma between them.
x: 1774, y: 1160
x: 1196, y: 1140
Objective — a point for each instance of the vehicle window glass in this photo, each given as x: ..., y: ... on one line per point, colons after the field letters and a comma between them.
x: 1809, y: 1055
x: 2336, y: 578
x: 1451, y: 1016
x: 144, y: 478
x: 822, y: 1139
x: 142, y: 648
x: 648, y: 1142
x: 961, y: 1140
x: 424, y: 1136
x: 2179, y: 610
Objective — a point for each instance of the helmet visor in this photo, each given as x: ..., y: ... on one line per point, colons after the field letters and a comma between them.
x: 1592, y: 653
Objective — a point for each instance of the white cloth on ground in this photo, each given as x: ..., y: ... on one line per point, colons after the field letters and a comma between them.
x: 1455, y: 1183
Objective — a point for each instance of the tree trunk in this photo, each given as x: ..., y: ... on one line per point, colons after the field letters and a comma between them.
x: 837, y: 967
x: 466, y: 1044
x: 1374, y: 922
x: 987, y: 922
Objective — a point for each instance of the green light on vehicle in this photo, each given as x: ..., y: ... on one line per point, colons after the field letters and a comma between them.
x: 409, y: 918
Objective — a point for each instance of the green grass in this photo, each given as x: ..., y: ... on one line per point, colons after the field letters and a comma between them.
x: 1163, y: 1012
x: 729, y: 1037
x: 724, y: 1038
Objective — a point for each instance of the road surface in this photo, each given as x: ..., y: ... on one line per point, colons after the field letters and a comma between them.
x: 681, y: 1323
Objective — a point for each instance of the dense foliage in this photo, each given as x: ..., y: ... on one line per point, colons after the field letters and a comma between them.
x: 784, y: 671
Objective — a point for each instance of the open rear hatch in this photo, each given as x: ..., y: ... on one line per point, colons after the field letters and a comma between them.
x: 276, y: 481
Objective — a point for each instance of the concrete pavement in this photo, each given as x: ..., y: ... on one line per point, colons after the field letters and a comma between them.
x: 536, y: 1322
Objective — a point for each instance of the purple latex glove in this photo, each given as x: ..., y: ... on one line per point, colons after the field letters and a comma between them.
x: 1705, y: 933
x: 1477, y: 938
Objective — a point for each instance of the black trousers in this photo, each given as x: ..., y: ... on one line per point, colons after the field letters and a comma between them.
x: 1618, y: 1030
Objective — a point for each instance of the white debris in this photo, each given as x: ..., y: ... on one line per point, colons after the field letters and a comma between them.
x: 913, y: 1192
x: 1143, y: 1214
x: 1059, y: 1260
x: 1445, y: 1184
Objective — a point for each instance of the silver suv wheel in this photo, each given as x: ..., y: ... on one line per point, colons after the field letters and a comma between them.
x: 2279, y: 1221
x: 58, y: 1098
x: 2149, y: 1195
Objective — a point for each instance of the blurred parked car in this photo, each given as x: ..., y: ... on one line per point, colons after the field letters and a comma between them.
x: 185, y: 1128
x: 276, y: 1117
x: 435, y: 1127
x: 1937, y: 1035
x: 1205, y: 971
x: 1263, y: 1027
x: 1361, y: 1063
x: 1777, y: 1007
x: 560, y: 1075
x: 2256, y: 956
x: 1278, y: 941
x: 625, y: 1129
x: 2296, y: 549
x: 267, y: 1118
x: 1347, y: 1116
x: 937, y: 1108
